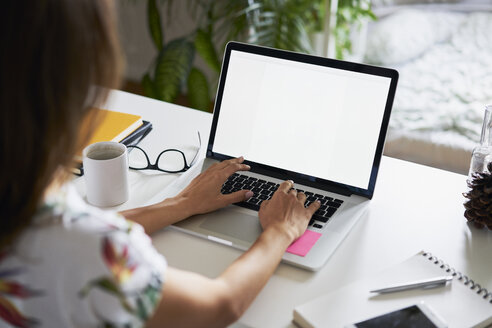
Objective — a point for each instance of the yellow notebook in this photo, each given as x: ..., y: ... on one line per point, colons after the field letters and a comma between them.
x: 115, y: 126
x: 110, y: 126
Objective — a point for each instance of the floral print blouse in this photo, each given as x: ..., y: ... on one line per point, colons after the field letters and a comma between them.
x: 79, y: 266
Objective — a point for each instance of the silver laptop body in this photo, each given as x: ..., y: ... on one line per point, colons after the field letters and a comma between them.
x: 319, y: 122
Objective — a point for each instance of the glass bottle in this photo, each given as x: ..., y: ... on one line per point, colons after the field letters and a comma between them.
x: 482, y: 154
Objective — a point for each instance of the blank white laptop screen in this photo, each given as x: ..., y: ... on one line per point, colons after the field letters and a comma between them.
x: 314, y: 120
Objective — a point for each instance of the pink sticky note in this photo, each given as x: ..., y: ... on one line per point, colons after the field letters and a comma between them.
x: 303, y: 245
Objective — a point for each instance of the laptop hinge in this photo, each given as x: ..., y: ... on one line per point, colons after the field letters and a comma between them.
x: 284, y: 175
x: 334, y: 189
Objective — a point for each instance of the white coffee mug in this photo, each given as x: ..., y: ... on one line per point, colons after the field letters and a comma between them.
x: 106, y: 173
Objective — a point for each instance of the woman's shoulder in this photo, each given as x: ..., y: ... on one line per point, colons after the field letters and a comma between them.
x: 67, y: 209
x: 66, y: 219
x: 85, y: 258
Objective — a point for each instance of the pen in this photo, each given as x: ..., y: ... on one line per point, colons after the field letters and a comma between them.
x: 424, y: 284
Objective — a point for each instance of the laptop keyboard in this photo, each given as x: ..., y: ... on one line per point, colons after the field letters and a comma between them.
x: 264, y: 190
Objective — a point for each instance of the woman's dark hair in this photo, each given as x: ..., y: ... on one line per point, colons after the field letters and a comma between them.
x: 53, y: 54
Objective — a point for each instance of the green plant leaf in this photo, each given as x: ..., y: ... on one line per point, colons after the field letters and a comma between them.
x: 205, y: 48
x: 198, y: 91
x: 153, y: 294
x: 172, y: 68
x: 141, y: 310
x: 154, y: 21
x: 231, y: 20
x: 110, y: 287
x: 148, y: 86
x: 281, y: 24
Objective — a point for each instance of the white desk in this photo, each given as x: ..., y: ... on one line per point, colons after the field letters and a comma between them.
x: 414, y: 207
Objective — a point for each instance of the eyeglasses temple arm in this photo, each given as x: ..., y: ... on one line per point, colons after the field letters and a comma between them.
x: 198, y: 150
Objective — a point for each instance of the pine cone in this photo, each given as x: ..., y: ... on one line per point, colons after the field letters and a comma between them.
x: 479, y: 204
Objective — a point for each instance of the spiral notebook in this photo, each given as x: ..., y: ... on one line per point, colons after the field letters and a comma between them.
x: 462, y: 303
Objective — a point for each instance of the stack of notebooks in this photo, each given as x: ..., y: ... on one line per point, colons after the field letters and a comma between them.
x: 126, y: 128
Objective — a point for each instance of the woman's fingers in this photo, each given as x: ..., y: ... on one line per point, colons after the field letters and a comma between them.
x: 232, y: 168
x: 235, y: 197
x: 301, y: 197
x: 221, y: 165
x: 313, y: 207
x: 285, y: 186
x: 237, y: 160
x: 264, y: 203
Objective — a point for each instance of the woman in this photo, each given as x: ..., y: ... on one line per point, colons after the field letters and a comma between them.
x: 66, y: 264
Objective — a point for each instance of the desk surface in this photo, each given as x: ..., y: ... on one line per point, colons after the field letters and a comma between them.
x: 414, y: 207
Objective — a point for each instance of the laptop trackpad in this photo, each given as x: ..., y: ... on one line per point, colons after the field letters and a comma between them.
x: 234, y: 223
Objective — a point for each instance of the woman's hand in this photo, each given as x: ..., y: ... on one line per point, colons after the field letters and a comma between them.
x: 223, y: 300
x: 203, y: 194
x: 286, y: 212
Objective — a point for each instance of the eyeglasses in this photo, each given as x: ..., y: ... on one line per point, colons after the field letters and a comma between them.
x: 169, y: 160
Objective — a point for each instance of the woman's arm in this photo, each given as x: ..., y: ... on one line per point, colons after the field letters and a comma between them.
x: 190, y: 300
x: 202, y: 195
x: 160, y: 215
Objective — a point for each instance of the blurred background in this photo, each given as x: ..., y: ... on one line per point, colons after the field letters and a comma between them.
x: 442, y: 49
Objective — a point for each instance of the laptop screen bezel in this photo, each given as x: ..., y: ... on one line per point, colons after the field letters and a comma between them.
x: 311, y: 181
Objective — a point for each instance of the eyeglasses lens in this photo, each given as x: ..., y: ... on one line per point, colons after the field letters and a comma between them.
x: 171, y: 161
x: 136, y: 158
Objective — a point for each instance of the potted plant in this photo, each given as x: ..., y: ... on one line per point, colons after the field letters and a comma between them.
x: 286, y: 24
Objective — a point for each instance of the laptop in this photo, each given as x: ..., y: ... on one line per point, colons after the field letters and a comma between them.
x: 317, y: 121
